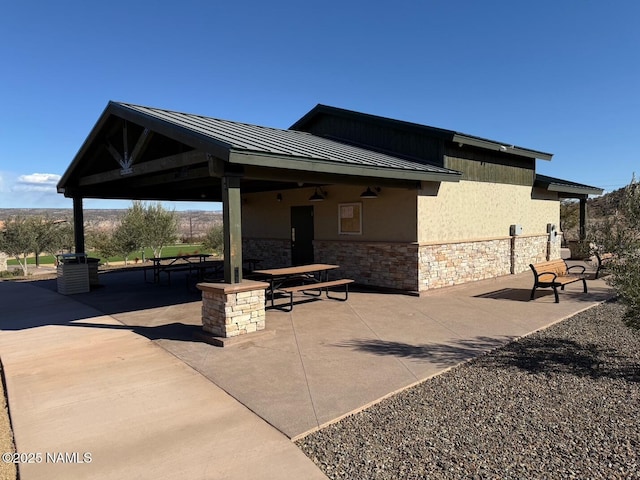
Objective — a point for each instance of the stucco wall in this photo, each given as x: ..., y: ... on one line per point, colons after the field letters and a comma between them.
x: 390, y: 217
x: 465, y: 210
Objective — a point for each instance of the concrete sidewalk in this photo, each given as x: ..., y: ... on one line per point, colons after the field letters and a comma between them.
x: 85, y: 373
x: 99, y: 401
x: 328, y: 359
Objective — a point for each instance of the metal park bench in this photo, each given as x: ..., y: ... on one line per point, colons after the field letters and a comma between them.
x: 554, y: 274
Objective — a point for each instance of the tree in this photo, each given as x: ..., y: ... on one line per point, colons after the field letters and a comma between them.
x: 569, y: 217
x: 51, y: 236
x: 214, y: 239
x: 129, y: 235
x: 160, y: 227
x: 103, y: 243
x: 620, y: 235
x: 19, y: 238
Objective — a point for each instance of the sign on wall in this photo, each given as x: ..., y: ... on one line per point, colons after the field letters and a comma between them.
x: 350, y: 218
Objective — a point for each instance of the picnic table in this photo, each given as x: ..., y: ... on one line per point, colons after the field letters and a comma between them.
x: 190, y: 263
x: 301, y: 278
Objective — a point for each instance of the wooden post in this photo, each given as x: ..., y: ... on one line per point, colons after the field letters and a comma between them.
x: 232, y: 218
x: 78, y: 224
x: 583, y: 219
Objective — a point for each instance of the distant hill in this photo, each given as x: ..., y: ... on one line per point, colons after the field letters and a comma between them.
x: 598, y: 208
x: 191, y: 223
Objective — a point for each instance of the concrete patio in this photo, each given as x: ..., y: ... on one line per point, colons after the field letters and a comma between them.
x: 326, y: 359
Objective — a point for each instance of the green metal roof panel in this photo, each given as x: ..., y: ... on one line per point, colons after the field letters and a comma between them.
x: 247, y: 138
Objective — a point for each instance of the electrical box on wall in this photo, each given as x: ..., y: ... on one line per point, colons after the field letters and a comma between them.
x: 552, y: 230
x: 515, y: 230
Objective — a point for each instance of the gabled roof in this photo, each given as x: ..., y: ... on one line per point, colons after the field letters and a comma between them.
x: 229, y: 142
x: 274, y: 144
x: 450, y: 135
x: 565, y: 188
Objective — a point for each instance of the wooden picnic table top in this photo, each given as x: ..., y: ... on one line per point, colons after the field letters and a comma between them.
x: 187, y: 258
x: 297, y: 270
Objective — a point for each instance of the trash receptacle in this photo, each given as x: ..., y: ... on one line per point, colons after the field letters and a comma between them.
x: 93, y: 263
x: 73, y: 273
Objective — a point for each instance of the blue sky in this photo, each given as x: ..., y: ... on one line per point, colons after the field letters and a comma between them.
x: 558, y: 76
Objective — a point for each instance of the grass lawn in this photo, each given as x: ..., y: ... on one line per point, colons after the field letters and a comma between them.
x: 168, y: 251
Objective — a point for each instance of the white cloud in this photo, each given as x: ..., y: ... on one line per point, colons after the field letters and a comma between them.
x: 37, y: 182
x: 35, y: 190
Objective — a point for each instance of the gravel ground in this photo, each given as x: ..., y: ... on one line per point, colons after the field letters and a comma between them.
x: 561, y: 403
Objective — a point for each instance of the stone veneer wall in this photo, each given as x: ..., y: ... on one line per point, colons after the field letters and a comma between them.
x: 555, y: 248
x: 272, y: 252
x: 413, y: 267
x: 381, y: 264
x: 3, y: 262
x: 443, y: 265
x: 530, y: 249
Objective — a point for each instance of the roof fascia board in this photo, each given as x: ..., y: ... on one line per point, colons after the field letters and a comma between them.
x: 328, y: 110
x: 574, y: 190
x: 252, y: 172
x: 491, y: 145
x: 315, y: 165
x: 172, y: 130
x: 559, y: 185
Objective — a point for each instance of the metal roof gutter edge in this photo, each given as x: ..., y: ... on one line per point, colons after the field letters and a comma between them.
x: 574, y: 189
x: 324, y: 166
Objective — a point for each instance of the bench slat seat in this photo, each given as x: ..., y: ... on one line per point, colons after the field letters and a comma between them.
x: 554, y: 274
x: 307, y: 287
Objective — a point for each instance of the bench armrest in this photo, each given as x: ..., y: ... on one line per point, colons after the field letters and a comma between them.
x: 576, y: 266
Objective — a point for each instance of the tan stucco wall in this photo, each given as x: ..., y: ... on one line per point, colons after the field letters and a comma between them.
x: 467, y: 210
x: 390, y: 217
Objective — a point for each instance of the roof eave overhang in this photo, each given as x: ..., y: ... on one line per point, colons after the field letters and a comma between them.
x: 168, y: 129
x: 571, y: 190
x: 327, y: 167
x: 566, y: 188
x: 462, y: 139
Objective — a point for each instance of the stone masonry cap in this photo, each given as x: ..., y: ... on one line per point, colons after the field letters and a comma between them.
x: 226, y: 288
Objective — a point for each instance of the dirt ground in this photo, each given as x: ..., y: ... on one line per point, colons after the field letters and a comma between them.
x: 7, y: 470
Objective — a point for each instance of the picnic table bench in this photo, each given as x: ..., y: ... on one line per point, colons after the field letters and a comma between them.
x: 602, y: 260
x: 302, y: 278
x: 307, y: 287
x: 178, y: 263
x: 554, y: 274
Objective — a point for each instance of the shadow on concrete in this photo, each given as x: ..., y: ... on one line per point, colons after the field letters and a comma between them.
x: 127, y: 291
x: 124, y: 295
x: 524, y: 295
x: 171, y: 331
x: 517, y: 294
x: 442, y: 354
x: 560, y: 355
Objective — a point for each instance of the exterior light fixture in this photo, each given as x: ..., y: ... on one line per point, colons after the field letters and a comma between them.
x: 279, y: 197
x: 318, y: 196
x: 368, y: 193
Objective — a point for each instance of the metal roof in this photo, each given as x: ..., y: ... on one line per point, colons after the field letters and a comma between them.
x: 266, y: 145
x: 565, y: 186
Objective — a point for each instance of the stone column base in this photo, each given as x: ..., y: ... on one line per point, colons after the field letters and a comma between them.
x: 232, y: 310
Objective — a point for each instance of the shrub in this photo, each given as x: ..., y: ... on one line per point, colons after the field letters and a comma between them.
x: 620, y: 235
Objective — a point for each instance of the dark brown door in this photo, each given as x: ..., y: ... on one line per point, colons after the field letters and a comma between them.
x: 301, y: 235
